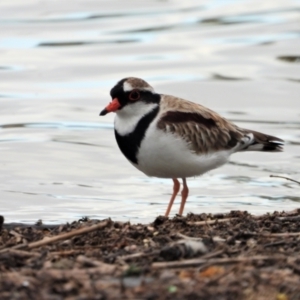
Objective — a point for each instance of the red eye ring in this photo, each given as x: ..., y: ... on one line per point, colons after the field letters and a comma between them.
x: 134, y: 95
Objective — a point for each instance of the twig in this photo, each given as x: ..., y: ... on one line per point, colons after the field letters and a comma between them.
x: 22, y: 253
x: 211, y: 221
x: 19, y: 246
x: 64, y: 236
x: 278, y: 243
x: 67, y: 235
x: 213, y: 254
x: 265, y: 234
x: 287, y: 178
x: 65, y: 252
x: 282, y: 234
x: 200, y: 261
x: 137, y: 255
x: 94, y: 263
x: 208, y: 256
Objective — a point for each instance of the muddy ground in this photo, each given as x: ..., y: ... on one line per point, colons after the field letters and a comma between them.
x: 224, y: 256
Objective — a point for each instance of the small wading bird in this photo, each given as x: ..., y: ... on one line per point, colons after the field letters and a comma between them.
x: 168, y: 137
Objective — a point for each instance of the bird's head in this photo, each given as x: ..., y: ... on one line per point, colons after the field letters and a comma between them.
x: 131, y: 95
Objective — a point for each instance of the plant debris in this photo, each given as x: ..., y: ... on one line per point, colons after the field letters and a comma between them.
x: 222, y: 256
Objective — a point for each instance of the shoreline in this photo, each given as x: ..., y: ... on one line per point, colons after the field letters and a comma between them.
x: 231, y: 256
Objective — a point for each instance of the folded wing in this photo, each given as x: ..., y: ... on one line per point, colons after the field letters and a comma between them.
x: 205, y: 131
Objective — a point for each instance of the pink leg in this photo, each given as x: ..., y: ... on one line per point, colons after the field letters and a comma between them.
x: 184, y: 195
x: 176, y: 188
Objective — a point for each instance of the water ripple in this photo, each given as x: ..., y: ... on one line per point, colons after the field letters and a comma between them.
x: 60, y: 125
x: 290, y: 58
x: 91, y: 16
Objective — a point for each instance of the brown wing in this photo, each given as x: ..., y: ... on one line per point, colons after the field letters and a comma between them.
x: 203, y: 129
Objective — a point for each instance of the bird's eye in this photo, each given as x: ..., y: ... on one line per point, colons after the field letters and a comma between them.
x: 134, y: 95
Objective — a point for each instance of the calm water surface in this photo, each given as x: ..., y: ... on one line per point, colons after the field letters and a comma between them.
x: 58, y: 60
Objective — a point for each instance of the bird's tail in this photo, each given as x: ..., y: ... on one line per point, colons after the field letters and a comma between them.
x: 257, y: 141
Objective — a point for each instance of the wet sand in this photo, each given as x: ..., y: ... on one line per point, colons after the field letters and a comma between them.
x: 224, y: 256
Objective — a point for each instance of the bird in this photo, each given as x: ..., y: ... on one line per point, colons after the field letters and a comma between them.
x: 168, y: 137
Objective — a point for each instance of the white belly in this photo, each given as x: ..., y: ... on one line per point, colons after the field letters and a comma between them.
x: 164, y: 155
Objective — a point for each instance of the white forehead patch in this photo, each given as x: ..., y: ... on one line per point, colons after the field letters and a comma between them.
x: 127, y: 87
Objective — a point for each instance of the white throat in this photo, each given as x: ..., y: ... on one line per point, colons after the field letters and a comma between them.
x: 128, y: 117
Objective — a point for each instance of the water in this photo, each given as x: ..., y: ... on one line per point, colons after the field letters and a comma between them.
x: 59, y: 160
